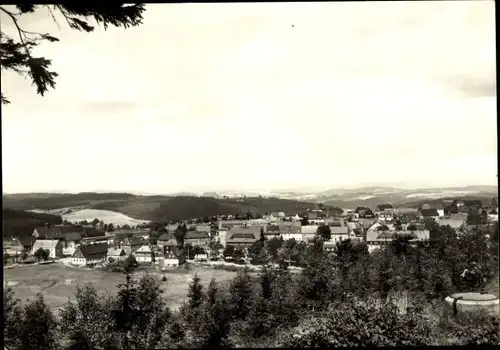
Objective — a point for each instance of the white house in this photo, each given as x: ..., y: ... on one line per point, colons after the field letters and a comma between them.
x: 203, y: 256
x: 308, y: 232
x: 117, y: 254
x: 90, y: 254
x: 144, y: 254
x: 171, y: 260
x: 54, y: 246
x: 291, y: 231
x: 340, y: 233
x: 375, y: 239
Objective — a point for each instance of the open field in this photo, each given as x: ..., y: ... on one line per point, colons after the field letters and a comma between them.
x: 106, y: 216
x: 58, y: 282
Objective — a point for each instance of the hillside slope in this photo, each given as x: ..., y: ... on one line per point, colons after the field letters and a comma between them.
x: 155, y: 208
x: 22, y: 223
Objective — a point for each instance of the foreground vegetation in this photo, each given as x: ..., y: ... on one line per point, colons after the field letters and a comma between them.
x: 155, y: 208
x: 391, y: 297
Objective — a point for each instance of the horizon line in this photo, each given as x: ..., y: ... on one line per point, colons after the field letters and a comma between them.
x: 260, y: 192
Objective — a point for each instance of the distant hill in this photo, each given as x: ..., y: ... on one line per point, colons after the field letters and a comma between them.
x: 22, y: 223
x: 155, y: 208
x: 407, y: 198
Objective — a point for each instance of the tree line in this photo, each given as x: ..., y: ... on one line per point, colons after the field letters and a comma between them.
x: 341, y: 299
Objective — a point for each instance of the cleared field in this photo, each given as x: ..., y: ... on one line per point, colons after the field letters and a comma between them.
x: 58, y: 282
x: 107, y: 216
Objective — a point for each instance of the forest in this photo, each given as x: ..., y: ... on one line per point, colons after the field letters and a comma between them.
x: 392, y: 297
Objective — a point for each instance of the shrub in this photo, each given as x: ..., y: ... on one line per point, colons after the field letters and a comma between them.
x: 360, y: 323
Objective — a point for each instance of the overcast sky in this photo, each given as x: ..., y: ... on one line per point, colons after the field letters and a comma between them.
x: 260, y: 96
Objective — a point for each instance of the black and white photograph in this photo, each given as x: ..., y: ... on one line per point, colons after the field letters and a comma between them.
x: 249, y: 175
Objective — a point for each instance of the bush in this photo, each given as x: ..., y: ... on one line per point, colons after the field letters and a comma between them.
x: 360, y: 323
x: 470, y: 328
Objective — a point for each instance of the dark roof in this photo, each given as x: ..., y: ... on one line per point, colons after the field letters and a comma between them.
x: 91, y: 232
x: 243, y: 234
x: 196, y: 235
x: 473, y: 203
x: 94, y: 251
x: 71, y: 231
x: 272, y: 229
x: 358, y: 209
x: 169, y: 239
x: 365, y: 212
x: 429, y: 212
x: 390, y: 235
x: 26, y: 240
x: 385, y: 206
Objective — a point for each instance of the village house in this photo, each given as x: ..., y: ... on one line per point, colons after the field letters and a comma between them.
x: 381, y: 208
x: 171, y: 260
x: 204, y: 229
x: 94, y: 240
x: 243, y: 236
x: 329, y: 246
x: 380, y: 226
x: 428, y: 213
x: 476, y: 204
x: 201, y: 257
x: 453, y: 223
x: 376, y: 239
x: 365, y: 213
x: 53, y: 232
x: 144, y: 254
x: 272, y: 231
x: 337, y: 221
x: 54, y: 246
x: 137, y: 233
x: 291, y: 230
x: 117, y: 254
x: 231, y: 223
x: 71, y: 240
x: 200, y: 239
x: 308, y: 233
x: 315, y: 218
x: 339, y: 233
x: 130, y: 245
x: 123, y: 235
x: 18, y: 245
x: 90, y: 254
x: 167, y: 240
x: 385, y: 216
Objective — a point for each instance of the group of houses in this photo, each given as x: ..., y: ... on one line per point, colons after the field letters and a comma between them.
x: 376, y: 227
x: 84, y: 250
